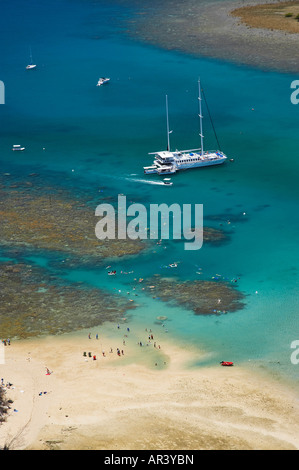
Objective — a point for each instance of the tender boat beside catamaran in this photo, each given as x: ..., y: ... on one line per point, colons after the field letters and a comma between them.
x: 168, y: 162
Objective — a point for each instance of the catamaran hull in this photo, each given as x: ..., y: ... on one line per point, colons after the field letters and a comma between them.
x: 156, y: 171
x: 201, y: 164
x: 151, y: 171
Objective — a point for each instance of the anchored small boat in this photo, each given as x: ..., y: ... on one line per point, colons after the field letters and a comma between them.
x: 102, y: 81
x: 17, y: 148
x: 226, y: 364
x: 31, y: 65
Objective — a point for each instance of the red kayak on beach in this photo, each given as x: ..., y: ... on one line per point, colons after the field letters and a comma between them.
x: 226, y: 364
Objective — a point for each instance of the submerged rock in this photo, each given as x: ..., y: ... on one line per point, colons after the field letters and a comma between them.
x: 214, y: 235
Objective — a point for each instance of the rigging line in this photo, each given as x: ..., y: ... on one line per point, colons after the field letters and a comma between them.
x: 211, y: 118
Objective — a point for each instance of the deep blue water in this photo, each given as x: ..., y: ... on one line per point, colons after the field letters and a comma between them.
x: 100, y: 137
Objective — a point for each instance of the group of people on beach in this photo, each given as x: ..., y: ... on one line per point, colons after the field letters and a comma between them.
x: 6, y: 385
x: 94, y: 357
x: 6, y: 342
x: 120, y: 352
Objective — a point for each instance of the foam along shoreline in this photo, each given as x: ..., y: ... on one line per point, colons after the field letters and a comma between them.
x: 105, y: 403
x: 213, y: 29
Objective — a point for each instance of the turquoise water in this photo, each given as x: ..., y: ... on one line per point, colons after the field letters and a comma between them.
x: 93, y: 137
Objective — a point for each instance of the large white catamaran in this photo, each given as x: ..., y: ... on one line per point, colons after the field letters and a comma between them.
x: 168, y: 162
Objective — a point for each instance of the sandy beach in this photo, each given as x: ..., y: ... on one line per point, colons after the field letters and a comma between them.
x: 282, y: 16
x: 246, y: 32
x: 148, y: 397
x: 99, y: 357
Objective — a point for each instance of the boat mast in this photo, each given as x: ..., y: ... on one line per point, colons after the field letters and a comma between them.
x: 200, y: 115
x: 167, y: 121
x: 30, y: 53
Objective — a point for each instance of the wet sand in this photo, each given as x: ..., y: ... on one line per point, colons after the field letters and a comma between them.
x: 219, y: 30
x: 147, y: 398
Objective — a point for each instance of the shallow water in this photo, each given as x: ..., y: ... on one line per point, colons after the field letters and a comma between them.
x: 98, y: 139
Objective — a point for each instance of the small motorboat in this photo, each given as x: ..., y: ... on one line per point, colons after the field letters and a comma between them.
x: 111, y: 273
x: 18, y: 148
x: 168, y: 182
x: 102, y: 81
x: 226, y: 364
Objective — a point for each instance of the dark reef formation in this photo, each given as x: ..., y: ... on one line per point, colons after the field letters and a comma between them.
x: 32, y: 303
x: 202, y: 297
x: 36, y: 216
